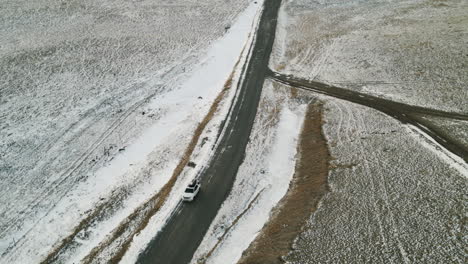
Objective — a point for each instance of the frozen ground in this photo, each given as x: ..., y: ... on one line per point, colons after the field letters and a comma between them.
x: 410, y: 51
x: 457, y: 130
x: 79, y: 82
x: 393, y: 197
x: 262, y: 179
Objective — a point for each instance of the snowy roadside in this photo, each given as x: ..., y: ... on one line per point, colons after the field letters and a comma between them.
x: 262, y: 179
x: 454, y: 161
x: 145, y: 165
x: 457, y: 130
x: 203, y: 152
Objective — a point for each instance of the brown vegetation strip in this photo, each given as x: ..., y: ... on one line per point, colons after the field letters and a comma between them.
x: 307, y: 187
x: 150, y: 207
x: 52, y: 256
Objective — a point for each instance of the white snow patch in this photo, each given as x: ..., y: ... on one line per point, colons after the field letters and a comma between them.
x: 268, y: 168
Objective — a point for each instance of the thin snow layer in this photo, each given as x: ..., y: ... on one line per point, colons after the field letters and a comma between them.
x: 457, y: 130
x: 412, y: 51
x: 266, y: 171
x: 75, y: 77
x: 91, y: 162
x: 393, y: 197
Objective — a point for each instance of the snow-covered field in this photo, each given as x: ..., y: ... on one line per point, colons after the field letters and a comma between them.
x: 393, y: 197
x: 98, y: 103
x: 412, y: 51
x: 262, y: 179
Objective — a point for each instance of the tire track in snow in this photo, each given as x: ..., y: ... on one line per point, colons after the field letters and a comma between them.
x: 382, y: 183
x: 367, y: 171
x: 69, y: 172
x: 72, y: 132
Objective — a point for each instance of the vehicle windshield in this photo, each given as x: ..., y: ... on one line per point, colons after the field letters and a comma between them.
x: 189, y: 190
x: 192, y: 184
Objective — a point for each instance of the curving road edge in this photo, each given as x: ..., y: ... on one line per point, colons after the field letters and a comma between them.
x: 178, y: 240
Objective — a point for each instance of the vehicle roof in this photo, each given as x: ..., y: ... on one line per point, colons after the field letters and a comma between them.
x: 193, y: 183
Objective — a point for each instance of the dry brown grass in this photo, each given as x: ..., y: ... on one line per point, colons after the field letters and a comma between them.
x: 309, y: 184
x: 51, y: 257
x: 280, y: 67
x: 293, y: 92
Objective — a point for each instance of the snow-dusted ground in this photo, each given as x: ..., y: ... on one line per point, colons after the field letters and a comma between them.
x: 262, y: 179
x: 457, y: 130
x: 98, y: 101
x: 97, y: 109
x: 412, y: 51
x: 394, y: 197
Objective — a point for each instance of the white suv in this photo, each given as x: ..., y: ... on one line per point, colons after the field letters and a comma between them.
x: 191, y: 191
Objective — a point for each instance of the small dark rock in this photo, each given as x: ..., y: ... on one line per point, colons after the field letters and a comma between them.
x: 191, y: 164
x: 204, y: 140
